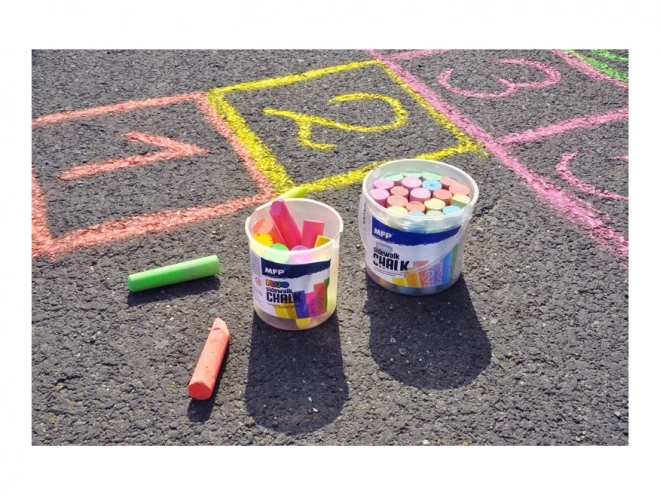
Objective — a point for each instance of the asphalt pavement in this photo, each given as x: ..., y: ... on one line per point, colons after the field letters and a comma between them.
x: 142, y: 159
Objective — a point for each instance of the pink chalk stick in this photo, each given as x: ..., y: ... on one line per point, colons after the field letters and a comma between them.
x: 300, y: 258
x: 400, y: 191
x: 310, y: 231
x: 383, y: 184
x: 380, y: 196
x: 447, y: 181
x: 459, y: 189
x: 415, y: 206
x: 411, y: 183
x: 420, y: 194
x: 286, y: 224
x: 443, y: 194
x: 396, y: 200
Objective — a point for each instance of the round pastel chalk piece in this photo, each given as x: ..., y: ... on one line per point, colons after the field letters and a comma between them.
x: 383, y: 184
x: 460, y: 200
x: 396, y: 178
x: 431, y: 185
x: 419, y: 194
x: 416, y: 213
x: 412, y: 173
x: 447, y: 181
x: 434, y: 204
x: 448, y: 210
x: 430, y: 176
x: 264, y: 239
x: 398, y: 209
x: 396, y: 200
x: 380, y: 196
x: 443, y: 195
x: 434, y: 213
x: 415, y: 206
x: 411, y: 183
x: 400, y: 191
x: 459, y: 189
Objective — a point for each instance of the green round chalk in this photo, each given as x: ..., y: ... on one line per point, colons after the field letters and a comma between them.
x: 172, y: 274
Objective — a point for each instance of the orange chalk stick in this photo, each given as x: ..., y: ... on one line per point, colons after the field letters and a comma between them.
x: 267, y: 226
x: 208, y: 366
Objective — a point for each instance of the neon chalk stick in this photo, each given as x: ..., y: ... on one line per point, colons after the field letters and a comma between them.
x: 398, y: 209
x: 412, y: 173
x: 263, y: 239
x: 396, y: 200
x: 443, y: 195
x: 430, y: 176
x: 267, y: 226
x: 431, y: 185
x: 460, y: 200
x: 296, y: 192
x: 386, y: 184
x: 434, y: 204
x: 172, y: 274
x: 411, y: 183
x: 396, y: 178
x: 447, y: 181
x: 321, y: 240
x: 419, y: 194
x: 400, y: 191
x: 285, y: 222
x: 300, y: 258
x: 380, y: 196
x: 459, y: 189
x: 300, y: 302
x: 320, y: 290
x: 208, y: 366
x: 281, y: 255
x: 415, y: 206
x: 448, y: 210
x: 310, y: 231
x: 303, y: 323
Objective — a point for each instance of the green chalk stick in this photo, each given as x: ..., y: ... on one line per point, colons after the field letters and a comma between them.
x: 172, y: 274
x: 296, y: 192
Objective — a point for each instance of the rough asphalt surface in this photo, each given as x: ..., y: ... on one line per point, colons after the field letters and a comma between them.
x: 529, y: 347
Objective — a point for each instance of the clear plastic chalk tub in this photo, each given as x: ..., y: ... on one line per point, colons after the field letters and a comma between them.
x: 415, y: 253
x: 295, y: 289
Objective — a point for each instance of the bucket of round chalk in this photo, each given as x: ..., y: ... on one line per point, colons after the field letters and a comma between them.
x: 413, y: 219
x: 294, y: 259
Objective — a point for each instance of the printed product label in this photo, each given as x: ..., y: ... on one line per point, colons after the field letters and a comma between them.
x: 290, y: 291
x: 410, y: 259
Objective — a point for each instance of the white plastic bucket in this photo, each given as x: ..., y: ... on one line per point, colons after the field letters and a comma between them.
x: 408, y: 254
x: 296, y: 290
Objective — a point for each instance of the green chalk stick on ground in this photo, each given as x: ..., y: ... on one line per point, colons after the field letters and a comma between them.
x: 172, y: 274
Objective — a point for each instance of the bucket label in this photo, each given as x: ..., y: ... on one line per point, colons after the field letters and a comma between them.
x: 290, y: 291
x: 410, y: 259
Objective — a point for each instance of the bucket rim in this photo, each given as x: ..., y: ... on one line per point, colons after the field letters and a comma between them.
x: 296, y: 200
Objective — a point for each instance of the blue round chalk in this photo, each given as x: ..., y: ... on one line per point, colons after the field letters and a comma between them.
x: 431, y: 185
x: 448, y: 210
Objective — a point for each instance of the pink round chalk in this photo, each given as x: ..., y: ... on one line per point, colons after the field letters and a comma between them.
x: 397, y: 200
x: 419, y: 194
x: 415, y: 206
x: 411, y: 183
x: 380, y: 196
x: 443, y: 194
x: 400, y: 191
x: 383, y: 184
x: 447, y: 181
x: 459, y: 189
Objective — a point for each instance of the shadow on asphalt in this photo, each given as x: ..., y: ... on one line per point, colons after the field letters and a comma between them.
x: 174, y: 291
x: 432, y: 341
x: 296, y: 381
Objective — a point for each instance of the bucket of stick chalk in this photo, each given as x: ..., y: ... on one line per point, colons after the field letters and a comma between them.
x: 413, y: 219
x: 294, y: 259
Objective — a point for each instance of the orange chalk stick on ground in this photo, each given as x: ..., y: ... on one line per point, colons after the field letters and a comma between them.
x: 208, y: 366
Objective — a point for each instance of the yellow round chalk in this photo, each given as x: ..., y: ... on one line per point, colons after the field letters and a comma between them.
x: 264, y: 239
x: 460, y: 200
x: 434, y: 204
